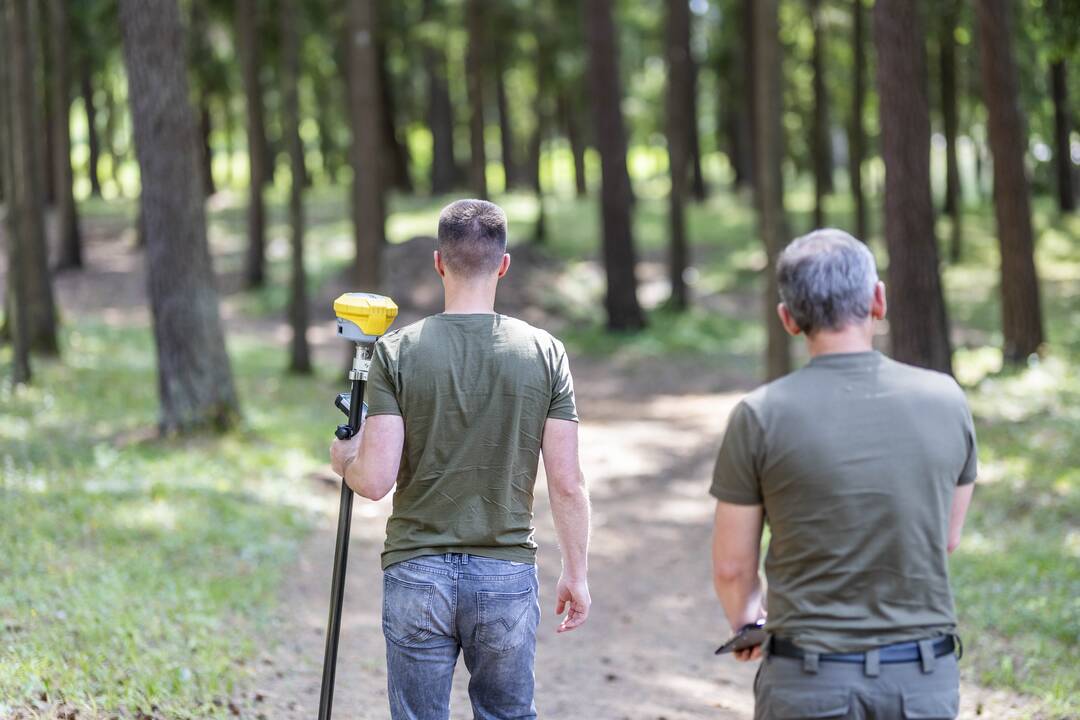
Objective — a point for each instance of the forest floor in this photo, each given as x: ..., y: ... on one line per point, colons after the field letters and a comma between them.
x: 202, y: 531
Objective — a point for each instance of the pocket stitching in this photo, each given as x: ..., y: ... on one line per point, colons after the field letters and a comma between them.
x: 483, y: 601
x: 423, y: 632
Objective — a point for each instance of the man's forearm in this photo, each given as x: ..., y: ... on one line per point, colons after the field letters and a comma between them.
x: 570, y: 510
x: 740, y: 594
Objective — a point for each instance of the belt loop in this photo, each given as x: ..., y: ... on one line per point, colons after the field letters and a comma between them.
x: 810, y: 662
x: 464, y: 558
x: 872, y: 663
x: 448, y: 557
x: 926, y: 655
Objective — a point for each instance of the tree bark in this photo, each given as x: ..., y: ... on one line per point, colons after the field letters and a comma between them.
x: 299, y: 355
x: 735, y: 105
x: 199, y: 53
x: 949, y: 119
x: 22, y: 201
x: 395, y: 152
x: 366, y: 116
x: 821, y: 142
x: 506, y: 125
x: 194, y: 377
x: 605, y: 90
x: 1059, y: 89
x: 918, y: 323
x: 69, y: 247
x: 86, y: 83
x: 698, y: 190
x: 536, y: 142
x: 571, y: 119
x: 679, y: 90
x: 857, y: 131
x: 42, y: 47
x: 1020, y: 306
x: 440, y: 115
x: 474, y: 64
x: 768, y: 178
x: 247, y: 37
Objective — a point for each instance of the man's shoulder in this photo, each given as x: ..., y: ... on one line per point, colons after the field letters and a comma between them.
x: 522, y: 329
x: 914, y: 379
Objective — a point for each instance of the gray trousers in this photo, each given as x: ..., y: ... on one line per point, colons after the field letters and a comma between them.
x: 789, y: 689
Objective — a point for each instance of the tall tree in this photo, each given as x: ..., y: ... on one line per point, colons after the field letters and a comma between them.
x: 1059, y: 91
x: 950, y: 11
x: 366, y: 116
x: 69, y: 246
x: 299, y: 356
x: 679, y: 91
x: 735, y: 104
x: 918, y: 326
x: 857, y: 129
x: 247, y: 41
x: 21, y: 198
x: 568, y: 107
x: 605, y: 90
x: 821, y: 144
x: 194, y: 377
x: 440, y: 111
x: 698, y: 189
x: 395, y: 153
x: 1021, y: 311
x: 506, y: 124
x: 201, y: 59
x: 86, y: 87
x: 768, y: 178
x: 474, y: 76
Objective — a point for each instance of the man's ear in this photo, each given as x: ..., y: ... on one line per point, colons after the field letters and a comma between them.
x: 504, y: 265
x: 878, y: 305
x: 787, y: 320
x: 440, y: 267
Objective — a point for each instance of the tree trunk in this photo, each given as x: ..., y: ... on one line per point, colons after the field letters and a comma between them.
x: 1062, y: 128
x: 698, y: 190
x: 736, y: 105
x: 395, y: 151
x: 194, y: 377
x: 605, y: 90
x: 474, y: 64
x: 366, y: 115
x: 949, y: 118
x: 536, y: 142
x: 857, y: 131
x: 87, y: 85
x: 440, y: 116
x: 42, y: 47
x: 206, y: 150
x: 299, y: 357
x: 199, y: 52
x: 1020, y: 307
x: 506, y: 125
x: 247, y: 37
x: 768, y: 178
x: 110, y: 131
x: 571, y: 118
x: 69, y: 246
x: 918, y: 324
x: 679, y: 90
x: 821, y: 142
x: 22, y: 201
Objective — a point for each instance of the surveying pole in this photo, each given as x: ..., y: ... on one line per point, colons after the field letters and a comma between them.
x: 361, y: 318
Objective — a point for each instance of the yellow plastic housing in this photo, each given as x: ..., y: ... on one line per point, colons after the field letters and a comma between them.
x: 364, y: 317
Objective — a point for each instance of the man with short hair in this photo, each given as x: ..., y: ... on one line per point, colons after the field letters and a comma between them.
x: 460, y: 407
x: 863, y: 467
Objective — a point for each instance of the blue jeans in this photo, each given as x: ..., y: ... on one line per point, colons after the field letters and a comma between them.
x: 438, y: 605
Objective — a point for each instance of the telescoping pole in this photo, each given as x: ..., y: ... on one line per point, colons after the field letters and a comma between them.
x: 358, y: 376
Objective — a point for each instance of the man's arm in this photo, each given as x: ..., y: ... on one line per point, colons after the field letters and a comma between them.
x: 369, y: 460
x: 736, y: 553
x: 960, y: 503
x: 570, y: 509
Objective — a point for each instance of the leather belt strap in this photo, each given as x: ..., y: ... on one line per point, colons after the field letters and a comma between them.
x: 887, y: 654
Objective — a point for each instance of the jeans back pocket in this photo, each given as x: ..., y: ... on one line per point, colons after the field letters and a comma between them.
x: 406, y: 610
x: 506, y: 619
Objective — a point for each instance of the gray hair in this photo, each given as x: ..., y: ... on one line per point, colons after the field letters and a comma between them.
x: 827, y: 280
x: 472, y: 237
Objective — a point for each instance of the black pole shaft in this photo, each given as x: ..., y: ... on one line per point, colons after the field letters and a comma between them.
x: 341, y: 561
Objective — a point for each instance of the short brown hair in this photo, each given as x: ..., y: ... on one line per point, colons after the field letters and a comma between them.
x: 472, y: 237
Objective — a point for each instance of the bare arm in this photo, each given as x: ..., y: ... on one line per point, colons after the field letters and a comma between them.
x: 960, y: 503
x: 736, y: 553
x: 369, y: 460
x: 570, y: 510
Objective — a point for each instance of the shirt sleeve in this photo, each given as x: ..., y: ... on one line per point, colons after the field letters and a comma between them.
x: 381, y: 390
x: 736, y: 478
x: 971, y: 462
x: 563, y: 405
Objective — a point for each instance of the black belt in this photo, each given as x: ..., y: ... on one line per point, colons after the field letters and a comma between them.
x: 889, y: 654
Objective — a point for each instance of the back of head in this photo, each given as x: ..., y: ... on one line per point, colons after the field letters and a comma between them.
x: 827, y: 280
x: 472, y: 237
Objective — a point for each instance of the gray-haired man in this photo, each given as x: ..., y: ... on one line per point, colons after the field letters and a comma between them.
x: 864, y: 468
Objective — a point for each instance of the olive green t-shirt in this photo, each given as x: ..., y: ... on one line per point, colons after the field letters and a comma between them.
x: 855, y: 459
x: 474, y: 392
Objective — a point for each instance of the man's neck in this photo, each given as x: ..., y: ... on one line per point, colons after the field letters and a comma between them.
x: 852, y: 339
x: 469, y: 298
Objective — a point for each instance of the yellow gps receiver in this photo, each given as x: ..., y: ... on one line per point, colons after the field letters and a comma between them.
x: 364, y: 317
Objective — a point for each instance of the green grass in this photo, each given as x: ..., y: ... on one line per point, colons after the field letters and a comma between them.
x: 138, y: 573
